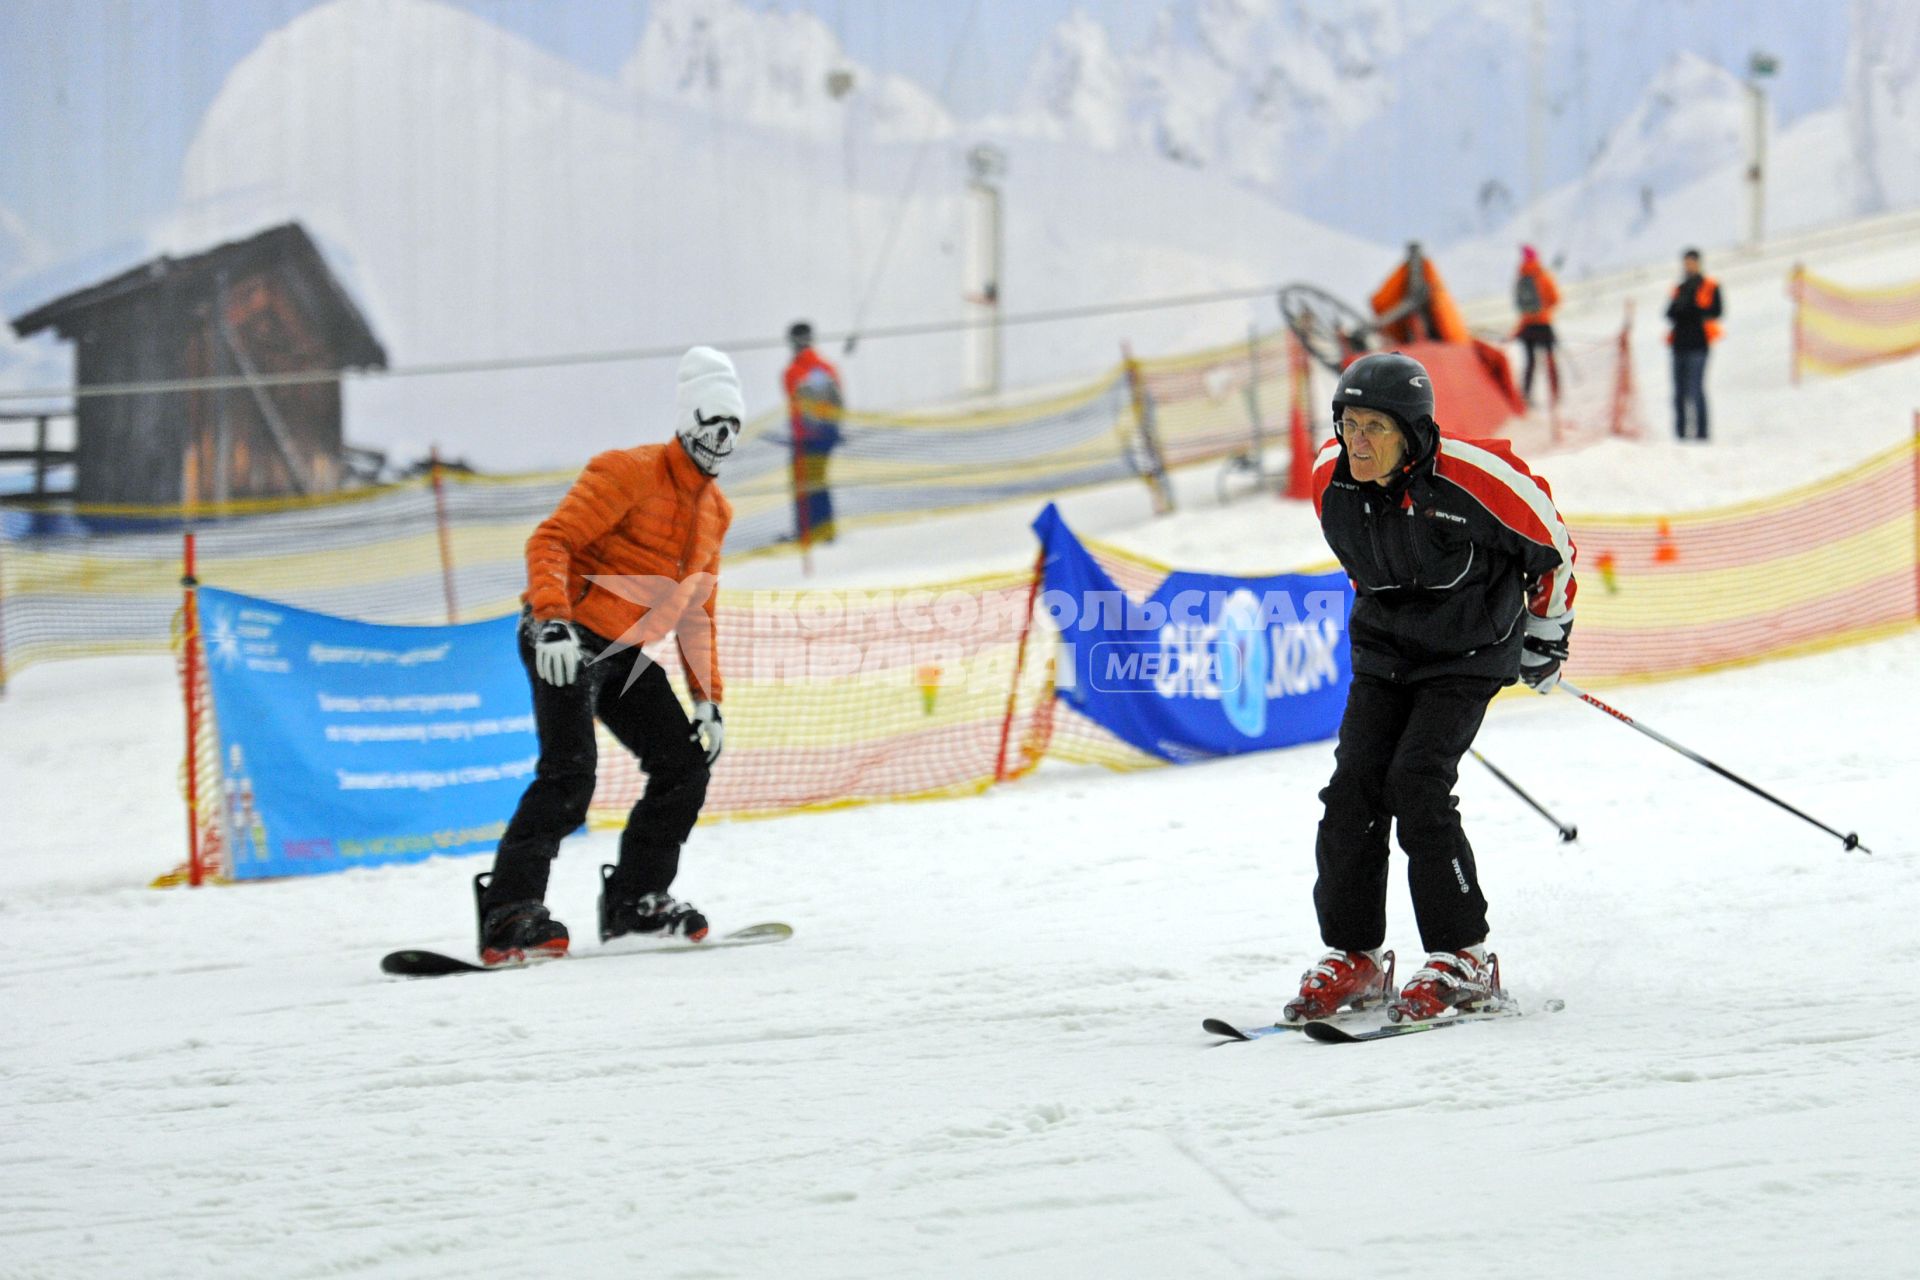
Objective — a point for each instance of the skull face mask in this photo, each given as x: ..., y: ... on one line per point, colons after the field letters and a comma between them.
x: 708, y: 407
x: 710, y: 440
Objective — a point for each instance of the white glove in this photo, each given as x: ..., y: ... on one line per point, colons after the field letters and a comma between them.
x: 708, y: 732
x: 556, y: 652
x: 1543, y: 650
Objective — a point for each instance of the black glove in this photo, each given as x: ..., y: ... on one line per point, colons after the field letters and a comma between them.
x: 1543, y: 650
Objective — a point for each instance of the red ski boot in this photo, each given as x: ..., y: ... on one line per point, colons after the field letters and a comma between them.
x: 1449, y: 980
x: 1341, y: 979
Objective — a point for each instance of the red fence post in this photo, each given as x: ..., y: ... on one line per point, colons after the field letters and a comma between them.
x: 1019, y: 666
x: 446, y: 537
x: 1300, y: 460
x: 1622, y: 409
x: 190, y: 617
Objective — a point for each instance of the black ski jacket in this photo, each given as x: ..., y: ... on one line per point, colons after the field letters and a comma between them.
x: 1445, y: 559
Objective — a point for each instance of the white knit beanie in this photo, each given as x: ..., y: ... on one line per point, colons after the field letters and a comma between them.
x: 708, y: 384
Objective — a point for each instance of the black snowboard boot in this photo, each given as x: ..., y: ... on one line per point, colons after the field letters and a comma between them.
x: 659, y: 915
x: 515, y: 932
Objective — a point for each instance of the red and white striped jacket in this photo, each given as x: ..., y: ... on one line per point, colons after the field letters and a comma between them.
x: 1446, y: 558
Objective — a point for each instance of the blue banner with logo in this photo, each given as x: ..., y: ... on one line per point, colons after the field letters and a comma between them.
x: 1208, y: 665
x: 349, y: 744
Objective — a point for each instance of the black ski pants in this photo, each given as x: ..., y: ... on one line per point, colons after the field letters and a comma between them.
x: 1690, y: 393
x: 649, y: 721
x: 1397, y: 760
x: 1538, y: 339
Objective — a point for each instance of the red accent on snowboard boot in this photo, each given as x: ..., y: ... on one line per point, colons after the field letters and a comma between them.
x: 1341, y: 979
x: 493, y: 957
x: 517, y: 932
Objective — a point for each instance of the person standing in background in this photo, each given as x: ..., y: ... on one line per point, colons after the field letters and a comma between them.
x: 813, y: 407
x: 1694, y: 313
x: 1535, y: 295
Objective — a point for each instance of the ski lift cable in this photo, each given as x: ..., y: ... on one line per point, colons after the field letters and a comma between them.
x: 506, y: 364
x: 913, y: 178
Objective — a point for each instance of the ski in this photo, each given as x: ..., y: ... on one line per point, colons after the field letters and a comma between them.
x: 1229, y: 1032
x: 1234, y: 1032
x: 1328, y: 1034
x: 415, y: 963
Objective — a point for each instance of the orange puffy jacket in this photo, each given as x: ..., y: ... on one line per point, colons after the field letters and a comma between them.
x: 1447, y: 324
x: 647, y: 512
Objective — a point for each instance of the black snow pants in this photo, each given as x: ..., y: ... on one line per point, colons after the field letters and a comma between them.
x: 1397, y: 760
x: 649, y: 721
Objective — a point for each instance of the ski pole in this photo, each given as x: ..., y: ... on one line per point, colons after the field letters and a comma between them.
x: 1567, y: 831
x: 1850, y: 840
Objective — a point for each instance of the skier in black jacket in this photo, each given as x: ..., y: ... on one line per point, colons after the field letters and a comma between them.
x: 1463, y: 575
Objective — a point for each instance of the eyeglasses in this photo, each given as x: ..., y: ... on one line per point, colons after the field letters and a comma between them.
x: 1373, y: 431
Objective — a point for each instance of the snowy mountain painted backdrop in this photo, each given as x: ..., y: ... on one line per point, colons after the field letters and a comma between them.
x: 485, y: 198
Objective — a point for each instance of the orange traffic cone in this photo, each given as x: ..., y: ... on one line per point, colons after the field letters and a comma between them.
x: 1664, y: 552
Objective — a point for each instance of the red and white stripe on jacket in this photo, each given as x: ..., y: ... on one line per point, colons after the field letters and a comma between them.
x: 1493, y: 475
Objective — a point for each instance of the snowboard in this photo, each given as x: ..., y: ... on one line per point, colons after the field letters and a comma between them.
x: 417, y: 963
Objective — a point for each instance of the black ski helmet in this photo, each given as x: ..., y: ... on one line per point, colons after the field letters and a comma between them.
x: 800, y: 334
x: 1395, y: 385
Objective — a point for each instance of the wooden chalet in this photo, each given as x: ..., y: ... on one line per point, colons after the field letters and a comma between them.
x: 260, y: 306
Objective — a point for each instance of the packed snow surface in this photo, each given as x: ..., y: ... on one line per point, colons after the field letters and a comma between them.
x: 981, y: 1053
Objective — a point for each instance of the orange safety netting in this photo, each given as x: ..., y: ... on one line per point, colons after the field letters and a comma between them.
x: 845, y: 697
x: 1837, y: 328
x: 848, y: 697
x: 1832, y: 563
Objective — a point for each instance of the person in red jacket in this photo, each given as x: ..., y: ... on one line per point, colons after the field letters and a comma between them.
x: 631, y: 554
x: 1463, y: 583
x: 1535, y: 295
x: 813, y: 409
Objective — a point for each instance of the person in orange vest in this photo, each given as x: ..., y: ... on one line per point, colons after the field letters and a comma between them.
x: 813, y: 408
x: 1535, y: 295
x: 1694, y: 314
x: 1413, y: 304
x: 631, y: 554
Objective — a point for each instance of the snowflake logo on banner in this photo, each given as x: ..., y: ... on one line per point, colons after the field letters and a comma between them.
x: 223, y: 642
x: 1246, y: 662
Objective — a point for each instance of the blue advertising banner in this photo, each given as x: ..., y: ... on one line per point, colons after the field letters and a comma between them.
x: 348, y: 744
x: 1208, y: 665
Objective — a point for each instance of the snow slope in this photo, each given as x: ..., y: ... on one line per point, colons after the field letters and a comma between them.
x: 980, y: 1054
